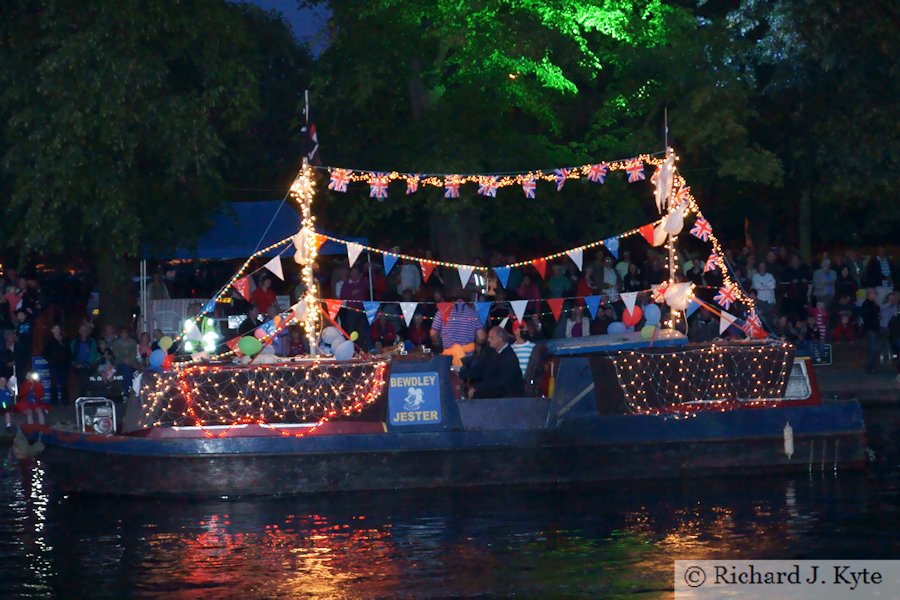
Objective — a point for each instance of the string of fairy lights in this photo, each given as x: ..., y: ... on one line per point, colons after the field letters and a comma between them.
x: 269, y: 395
x: 715, y: 377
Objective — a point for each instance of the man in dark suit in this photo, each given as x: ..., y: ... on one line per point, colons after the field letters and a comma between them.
x: 501, y: 377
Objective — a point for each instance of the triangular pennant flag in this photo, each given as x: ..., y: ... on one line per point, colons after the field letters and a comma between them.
x: 692, y: 307
x: 233, y: 346
x: 483, y: 309
x: 333, y: 306
x: 446, y: 307
x: 725, y: 321
x: 593, y: 303
x: 300, y: 310
x: 427, y: 268
x: 371, y: 308
x: 541, y: 265
x: 519, y: 307
x: 242, y: 285
x: 465, y: 271
x: 556, y: 305
x: 502, y: 275
x: 353, y: 250
x: 504, y: 321
x: 577, y: 257
x: 389, y: 261
x: 320, y: 239
x: 408, y: 309
x: 209, y: 307
x: 612, y: 244
x: 628, y: 298
x: 274, y: 266
x: 647, y: 232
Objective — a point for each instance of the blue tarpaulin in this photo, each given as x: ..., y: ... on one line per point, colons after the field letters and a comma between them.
x: 238, y: 227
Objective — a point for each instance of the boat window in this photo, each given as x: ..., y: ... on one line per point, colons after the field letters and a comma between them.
x: 798, y: 383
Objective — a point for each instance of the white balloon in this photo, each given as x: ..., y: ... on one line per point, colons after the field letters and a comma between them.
x: 330, y: 335
x: 344, y: 351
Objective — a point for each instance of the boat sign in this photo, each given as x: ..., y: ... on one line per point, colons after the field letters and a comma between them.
x: 415, y: 398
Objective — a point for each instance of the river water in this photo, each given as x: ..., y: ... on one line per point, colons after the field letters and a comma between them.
x: 614, y: 541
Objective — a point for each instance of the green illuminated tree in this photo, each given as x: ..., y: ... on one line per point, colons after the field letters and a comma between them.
x: 499, y: 85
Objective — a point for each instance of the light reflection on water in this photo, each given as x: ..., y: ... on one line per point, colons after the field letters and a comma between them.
x: 617, y: 540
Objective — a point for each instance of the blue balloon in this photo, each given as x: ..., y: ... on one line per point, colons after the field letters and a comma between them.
x: 157, y: 358
x: 616, y: 327
x: 652, y: 314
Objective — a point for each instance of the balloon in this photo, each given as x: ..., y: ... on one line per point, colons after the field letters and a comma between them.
x: 647, y: 331
x: 157, y: 357
x: 249, y: 345
x: 344, y: 350
x: 652, y: 314
x: 165, y: 342
x: 330, y: 335
x: 259, y: 334
x: 354, y: 336
x: 616, y: 327
x: 860, y: 294
x: 167, y: 364
x: 632, y: 318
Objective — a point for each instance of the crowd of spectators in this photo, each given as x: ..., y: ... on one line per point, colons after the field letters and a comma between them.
x: 840, y: 297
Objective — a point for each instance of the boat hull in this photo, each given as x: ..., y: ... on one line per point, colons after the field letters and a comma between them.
x: 829, y: 437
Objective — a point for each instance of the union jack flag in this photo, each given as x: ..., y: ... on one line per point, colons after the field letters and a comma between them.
x: 597, y: 174
x: 753, y: 320
x: 560, y: 175
x: 412, y: 183
x: 682, y: 194
x: 635, y: 170
x: 725, y: 297
x: 339, y: 180
x: 488, y: 187
x: 701, y: 229
x: 378, y: 185
x: 711, y: 263
x: 451, y: 187
x: 529, y: 186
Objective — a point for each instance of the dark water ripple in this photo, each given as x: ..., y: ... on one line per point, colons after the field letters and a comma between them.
x: 615, y: 541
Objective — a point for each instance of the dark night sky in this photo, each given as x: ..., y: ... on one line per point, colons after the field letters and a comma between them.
x: 305, y: 23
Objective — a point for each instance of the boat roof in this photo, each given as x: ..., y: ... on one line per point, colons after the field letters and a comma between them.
x: 629, y: 340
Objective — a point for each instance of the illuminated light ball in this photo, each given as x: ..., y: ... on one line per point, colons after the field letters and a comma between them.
x: 632, y: 318
x: 330, y: 335
x: 157, y: 357
x: 344, y: 350
x: 165, y: 342
x: 616, y: 327
x: 647, y: 331
x: 652, y: 314
x: 249, y: 345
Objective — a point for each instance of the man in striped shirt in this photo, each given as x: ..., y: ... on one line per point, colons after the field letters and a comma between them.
x: 459, y: 328
x: 522, y: 347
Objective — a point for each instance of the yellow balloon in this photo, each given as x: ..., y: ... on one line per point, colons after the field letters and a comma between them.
x: 165, y: 342
x: 354, y: 335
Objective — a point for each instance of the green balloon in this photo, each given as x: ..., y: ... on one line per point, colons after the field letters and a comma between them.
x: 249, y: 345
x: 647, y: 331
